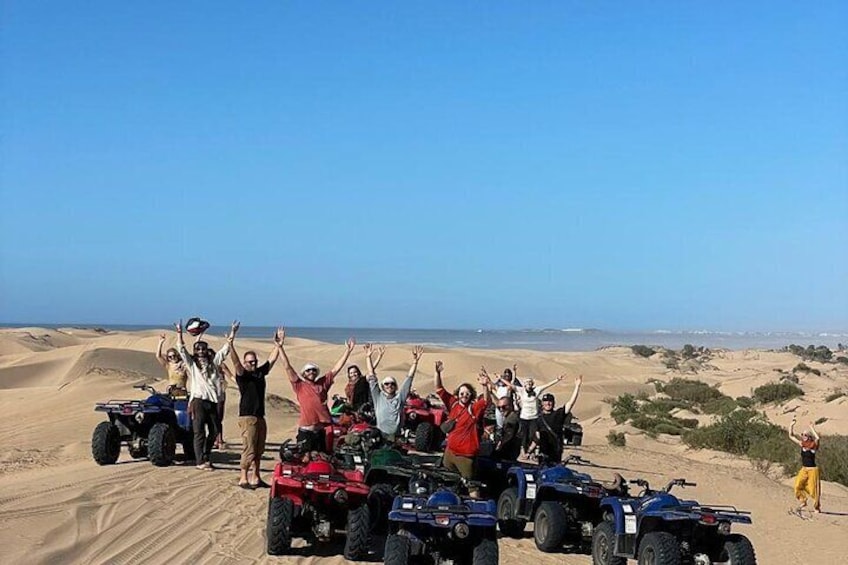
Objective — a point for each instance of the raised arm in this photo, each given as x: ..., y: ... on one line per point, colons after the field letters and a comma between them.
x: 570, y: 404
x: 792, y: 432
x: 222, y: 353
x: 813, y: 430
x: 293, y: 376
x: 159, y: 356
x: 486, y: 382
x: 275, y: 351
x: 381, y: 350
x: 542, y: 388
x: 234, y: 354
x: 417, y: 352
x: 181, y: 348
x: 349, y: 345
x: 438, y: 376
x: 371, y: 368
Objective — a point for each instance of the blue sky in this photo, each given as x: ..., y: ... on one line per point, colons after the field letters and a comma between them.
x: 422, y: 164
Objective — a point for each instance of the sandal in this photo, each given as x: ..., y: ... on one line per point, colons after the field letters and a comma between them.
x: 247, y: 486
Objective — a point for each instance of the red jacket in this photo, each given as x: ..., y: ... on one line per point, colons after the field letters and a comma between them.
x: 464, y: 439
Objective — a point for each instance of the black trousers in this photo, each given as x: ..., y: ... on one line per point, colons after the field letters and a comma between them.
x: 204, y: 416
x: 312, y: 440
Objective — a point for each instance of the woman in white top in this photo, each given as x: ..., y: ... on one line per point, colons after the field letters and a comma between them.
x: 528, y: 405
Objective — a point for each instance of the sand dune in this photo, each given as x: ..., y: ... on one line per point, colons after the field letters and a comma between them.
x: 57, y: 505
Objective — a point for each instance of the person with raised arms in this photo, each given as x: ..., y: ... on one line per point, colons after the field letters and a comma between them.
x: 311, y: 388
x: 250, y: 379
x: 204, y: 379
x: 387, y: 399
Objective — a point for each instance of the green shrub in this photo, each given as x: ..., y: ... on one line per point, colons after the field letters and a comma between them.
x: 695, y: 392
x: 834, y: 395
x: 821, y: 420
x: 819, y: 353
x: 745, y: 401
x: 776, y: 392
x: 749, y: 433
x: 842, y: 359
x: 832, y: 459
x: 642, y: 350
x: 623, y: 408
x: 616, y: 439
x: 803, y: 368
x: 723, y: 405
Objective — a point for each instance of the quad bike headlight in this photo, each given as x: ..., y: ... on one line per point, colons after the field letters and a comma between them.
x: 340, y: 496
x: 139, y: 417
x: 461, y: 530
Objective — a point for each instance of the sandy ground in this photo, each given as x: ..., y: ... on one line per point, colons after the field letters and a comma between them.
x: 58, y: 506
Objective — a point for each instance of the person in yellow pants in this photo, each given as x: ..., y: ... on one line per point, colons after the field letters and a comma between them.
x: 808, y: 480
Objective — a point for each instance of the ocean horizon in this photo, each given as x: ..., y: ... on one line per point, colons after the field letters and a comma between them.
x: 543, y: 339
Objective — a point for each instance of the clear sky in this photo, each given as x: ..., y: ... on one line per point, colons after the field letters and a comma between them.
x: 618, y: 165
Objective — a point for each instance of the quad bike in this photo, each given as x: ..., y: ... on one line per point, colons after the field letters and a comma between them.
x: 658, y: 528
x: 563, y: 505
x: 421, y: 421
x: 439, y: 524
x: 150, y: 428
x: 316, y: 501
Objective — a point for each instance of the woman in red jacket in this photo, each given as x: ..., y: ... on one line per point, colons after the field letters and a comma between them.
x: 465, y: 411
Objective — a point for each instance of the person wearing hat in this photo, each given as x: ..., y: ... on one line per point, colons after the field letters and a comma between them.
x: 808, y: 480
x: 551, y: 422
x: 311, y: 388
x: 204, y: 380
x: 387, y: 399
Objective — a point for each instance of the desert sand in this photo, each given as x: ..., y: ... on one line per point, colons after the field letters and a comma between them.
x: 58, y: 506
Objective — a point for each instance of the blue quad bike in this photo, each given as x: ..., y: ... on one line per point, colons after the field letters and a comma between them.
x: 657, y: 528
x: 149, y: 428
x: 441, y: 525
x: 563, y: 505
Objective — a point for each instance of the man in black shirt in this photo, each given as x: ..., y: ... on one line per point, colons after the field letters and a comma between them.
x: 551, y: 422
x: 509, y: 443
x: 250, y: 378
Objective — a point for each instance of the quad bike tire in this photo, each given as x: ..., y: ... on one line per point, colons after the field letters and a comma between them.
x: 161, y: 445
x: 278, y: 525
x: 549, y: 526
x: 603, y: 546
x: 508, y: 522
x: 358, y: 539
x: 380, y: 499
x: 397, y: 550
x: 737, y: 550
x: 485, y: 551
x: 106, y: 443
x: 425, y: 436
x: 659, y: 548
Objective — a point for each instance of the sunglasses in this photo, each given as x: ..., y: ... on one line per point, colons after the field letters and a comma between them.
x: 390, y: 384
x: 172, y: 357
x: 252, y: 361
x: 503, y: 407
x: 313, y: 371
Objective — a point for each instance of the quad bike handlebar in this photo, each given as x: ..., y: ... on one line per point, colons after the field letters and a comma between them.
x: 671, y: 484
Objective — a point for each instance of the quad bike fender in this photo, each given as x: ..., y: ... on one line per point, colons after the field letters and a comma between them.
x: 624, y: 522
x: 296, y: 500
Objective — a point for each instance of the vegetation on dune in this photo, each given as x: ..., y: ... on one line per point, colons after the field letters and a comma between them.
x: 835, y: 395
x: 818, y: 353
x: 749, y: 433
x: 642, y: 350
x: 777, y: 392
x: 616, y: 439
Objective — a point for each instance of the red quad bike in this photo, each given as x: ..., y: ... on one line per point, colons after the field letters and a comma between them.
x: 422, y: 419
x: 315, y: 501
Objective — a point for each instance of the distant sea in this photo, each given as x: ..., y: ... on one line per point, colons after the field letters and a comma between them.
x: 572, y: 339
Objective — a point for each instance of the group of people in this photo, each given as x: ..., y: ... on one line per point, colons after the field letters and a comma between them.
x: 526, y: 419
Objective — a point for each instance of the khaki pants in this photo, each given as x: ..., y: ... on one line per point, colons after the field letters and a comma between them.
x: 808, y: 483
x: 459, y: 463
x: 253, y: 433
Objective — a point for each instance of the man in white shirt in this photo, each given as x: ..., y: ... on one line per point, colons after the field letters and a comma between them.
x: 204, y: 378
